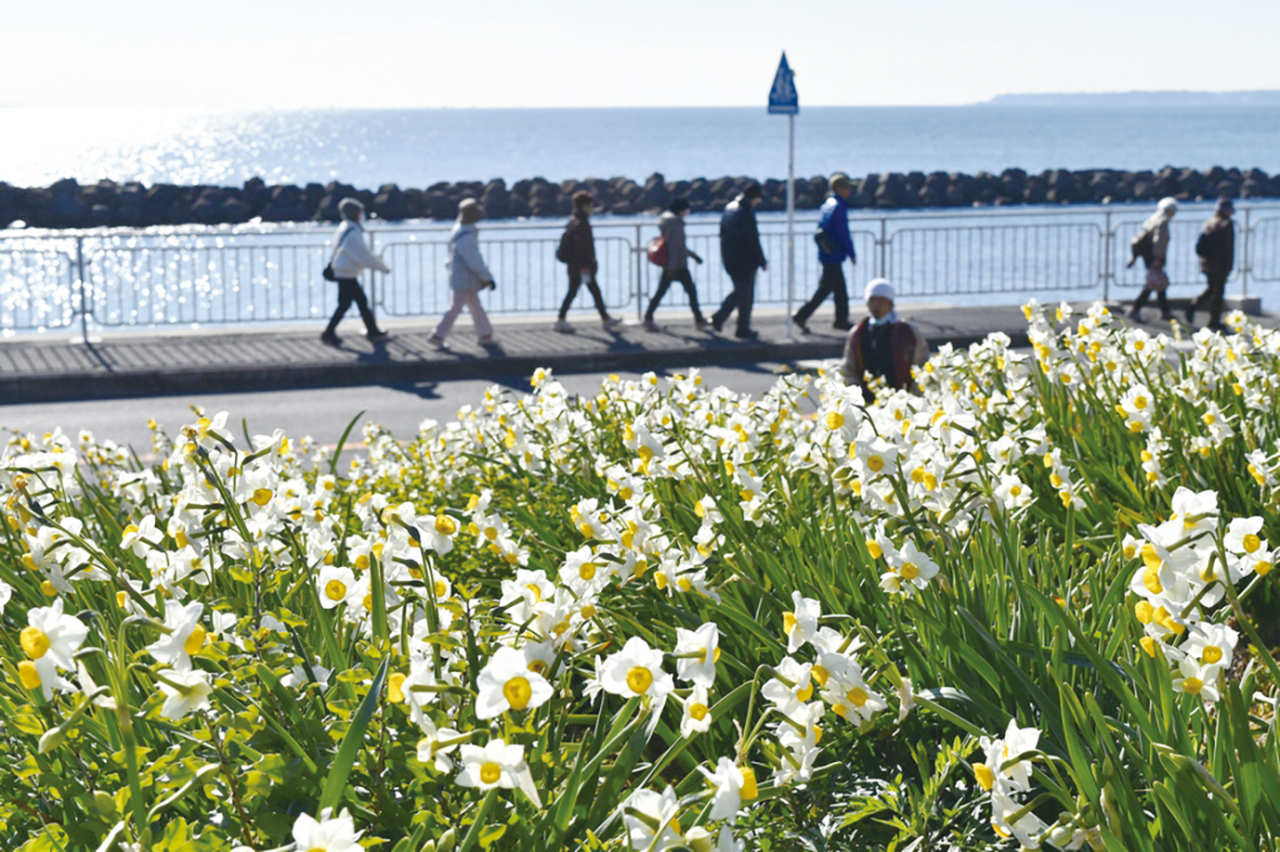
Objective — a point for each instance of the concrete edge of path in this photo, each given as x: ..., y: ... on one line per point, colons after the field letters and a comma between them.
x: 212, y: 379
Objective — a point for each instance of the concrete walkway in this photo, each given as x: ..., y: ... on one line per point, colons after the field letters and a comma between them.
x: 49, y: 368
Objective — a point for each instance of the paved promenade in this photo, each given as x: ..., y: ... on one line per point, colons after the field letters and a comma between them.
x: 60, y: 367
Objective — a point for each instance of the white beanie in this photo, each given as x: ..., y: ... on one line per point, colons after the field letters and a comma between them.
x: 1167, y: 203
x: 878, y: 287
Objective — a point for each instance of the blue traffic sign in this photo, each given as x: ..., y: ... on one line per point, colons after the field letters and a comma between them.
x: 783, y: 99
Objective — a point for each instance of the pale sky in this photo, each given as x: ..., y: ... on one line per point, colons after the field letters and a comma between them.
x: 252, y: 54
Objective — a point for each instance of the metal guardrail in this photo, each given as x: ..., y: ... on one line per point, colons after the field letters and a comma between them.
x: 194, y: 276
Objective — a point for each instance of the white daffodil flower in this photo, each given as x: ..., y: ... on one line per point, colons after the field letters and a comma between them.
x: 334, y: 584
x: 652, y: 819
x: 635, y: 670
x: 696, y: 654
x: 185, y: 636
x: 496, y: 765
x: 50, y: 641
x: 507, y: 683
x: 801, y: 624
x: 328, y: 834
x: 184, y: 691
x: 696, y: 718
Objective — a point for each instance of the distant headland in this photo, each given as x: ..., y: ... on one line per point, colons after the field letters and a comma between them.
x: 1260, y: 98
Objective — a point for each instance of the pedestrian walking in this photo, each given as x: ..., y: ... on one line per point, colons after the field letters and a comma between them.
x: 835, y: 246
x: 468, y: 276
x: 578, y: 251
x: 1217, y: 250
x: 1152, y: 245
x: 351, y: 256
x: 676, y: 268
x: 882, y: 344
x: 742, y: 256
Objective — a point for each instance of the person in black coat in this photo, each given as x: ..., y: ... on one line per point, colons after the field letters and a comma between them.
x: 742, y: 255
x: 1217, y: 250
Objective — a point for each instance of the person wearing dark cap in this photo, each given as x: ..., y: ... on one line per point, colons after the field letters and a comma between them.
x: 671, y: 227
x: 578, y: 251
x: 835, y: 246
x: 1217, y: 250
x: 742, y: 255
x: 468, y: 276
x: 351, y: 256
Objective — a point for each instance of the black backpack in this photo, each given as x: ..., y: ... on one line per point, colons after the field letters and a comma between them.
x: 564, y: 252
x: 1143, y: 245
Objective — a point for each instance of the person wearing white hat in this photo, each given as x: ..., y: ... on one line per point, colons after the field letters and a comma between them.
x: 468, y: 276
x: 1152, y: 245
x: 350, y: 257
x: 882, y: 344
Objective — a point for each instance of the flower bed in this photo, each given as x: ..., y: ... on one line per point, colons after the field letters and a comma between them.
x: 1030, y: 604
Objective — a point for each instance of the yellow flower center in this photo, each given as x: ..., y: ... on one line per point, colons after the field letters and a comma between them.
x: 875, y: 550
x: 805, y: 693
x: 819, y: 674
x: 490, y: 773
x: 1262, y: 568
x: 1251, y: 543
x: 1211, y: 654
x: 639, y: 679
x: 1149, y: 645
x: 445, y: 525
x: 1139, y: 402
x: 749, y: 790
x: 986, y: 778
x: 262, y: 496
x: 517, y: 692
x: 1144, y: 611
x: 587, y: 570
x: 909, y: 571
x: 34, y: 642
x: 29, y: 674
x: 857, y: 696
x: 440, y: 588
x: 335, y: 590
x: 195, y: 641
x: 699, y: 711
x: 395, y: 687
x: 835, y: 420
x: 1192, y: 685
x: 1151, y: 579
x: 875, y: 463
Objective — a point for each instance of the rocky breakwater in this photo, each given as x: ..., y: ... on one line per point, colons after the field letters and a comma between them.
x: 68, y: 204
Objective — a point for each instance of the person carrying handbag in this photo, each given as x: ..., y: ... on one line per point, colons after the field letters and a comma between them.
x: 351, y: 256
x: 675, y: 265
x: 468, y: 276
x: 1152, y: 245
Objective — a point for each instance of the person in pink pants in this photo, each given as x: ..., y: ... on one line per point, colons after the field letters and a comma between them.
x: 468, y: 276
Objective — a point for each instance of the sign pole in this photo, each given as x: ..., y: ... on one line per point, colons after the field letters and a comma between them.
x: 791, y: 221
x: 783, y: 100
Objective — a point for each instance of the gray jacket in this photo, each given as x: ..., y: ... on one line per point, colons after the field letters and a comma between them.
x: 467, y: 270
x: 671, y: 227
x: 351, y: 254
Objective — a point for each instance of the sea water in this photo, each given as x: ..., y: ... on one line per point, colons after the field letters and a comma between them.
x: 416, y: 148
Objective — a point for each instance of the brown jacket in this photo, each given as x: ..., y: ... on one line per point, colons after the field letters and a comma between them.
x: 582, y: 245
x: 907, y: 346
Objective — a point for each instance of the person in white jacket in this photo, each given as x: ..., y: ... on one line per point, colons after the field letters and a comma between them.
x: 468, y: 275
x: 351, y: 256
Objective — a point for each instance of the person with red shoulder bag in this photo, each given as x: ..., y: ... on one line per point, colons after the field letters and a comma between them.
x: 675, y: 263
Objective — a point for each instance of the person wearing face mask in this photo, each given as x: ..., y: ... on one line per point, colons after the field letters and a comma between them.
x: 1152, y: 245
x: 882, y: 344
x: 351, y: 256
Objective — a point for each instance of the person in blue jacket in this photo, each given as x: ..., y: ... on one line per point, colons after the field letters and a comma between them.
x: 742, y: 255
x: 835, y: 246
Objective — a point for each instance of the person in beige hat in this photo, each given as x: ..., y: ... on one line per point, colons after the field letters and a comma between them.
x: 835, y: 246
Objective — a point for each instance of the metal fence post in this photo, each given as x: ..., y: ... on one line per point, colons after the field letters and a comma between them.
x: 639, y: 272
x: 1107, y: 260
x: 883, y: 270
x: 1245, y: 260
x: 80, y: 285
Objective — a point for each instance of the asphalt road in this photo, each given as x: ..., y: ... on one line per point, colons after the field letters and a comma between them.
x: 323, y: 414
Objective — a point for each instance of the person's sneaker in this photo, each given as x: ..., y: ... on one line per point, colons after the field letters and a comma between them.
x: 717, y: 324
x: 488, y: 340
x: 799, y: 324
x: 563, y: 326
x: 650, y: 325
x: 330, y: 339
x: 702, y: 323
x: 748, y: 334
x: 437, y: 341
x: 377, y: 334
x: 843, y: 325
x: 610, y: 323
x: 1191, y: 314
x: 1135, y: 315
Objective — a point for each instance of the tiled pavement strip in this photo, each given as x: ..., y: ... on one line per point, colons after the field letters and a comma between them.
x: 127, y: 364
